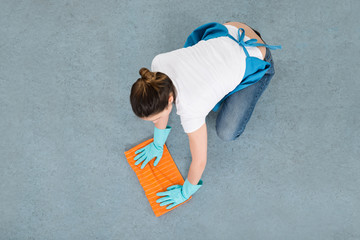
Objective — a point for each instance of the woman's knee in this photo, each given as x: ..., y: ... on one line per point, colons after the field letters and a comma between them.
x: 226, y: 135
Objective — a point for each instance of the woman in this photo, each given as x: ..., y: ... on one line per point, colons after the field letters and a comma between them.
x: 214, y: 65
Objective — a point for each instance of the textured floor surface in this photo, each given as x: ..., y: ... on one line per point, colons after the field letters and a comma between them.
x: 66, y: 68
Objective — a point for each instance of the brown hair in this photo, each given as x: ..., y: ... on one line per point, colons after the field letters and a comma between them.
x: 150, y: 93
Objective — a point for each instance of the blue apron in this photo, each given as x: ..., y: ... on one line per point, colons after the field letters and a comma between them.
x: 255, y: 67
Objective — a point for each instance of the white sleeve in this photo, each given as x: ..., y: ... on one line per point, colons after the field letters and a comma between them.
x: 154, y: 64
x: 192, y: 124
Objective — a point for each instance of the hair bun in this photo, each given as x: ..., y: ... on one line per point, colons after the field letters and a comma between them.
x: 146, y: 75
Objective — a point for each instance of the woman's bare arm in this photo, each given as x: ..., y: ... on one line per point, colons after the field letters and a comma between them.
x: 198, y: 148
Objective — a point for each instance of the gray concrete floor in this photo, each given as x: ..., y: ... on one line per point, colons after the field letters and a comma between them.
x: 66, y: 68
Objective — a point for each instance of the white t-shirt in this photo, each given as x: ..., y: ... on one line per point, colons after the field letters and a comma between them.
x: 203, y: 74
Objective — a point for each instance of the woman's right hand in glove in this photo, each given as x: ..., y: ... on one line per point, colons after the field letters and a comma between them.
x: 147, y: 153
x: 154, y: 149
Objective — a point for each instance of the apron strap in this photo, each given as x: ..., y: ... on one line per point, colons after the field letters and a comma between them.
x: 251, y: 42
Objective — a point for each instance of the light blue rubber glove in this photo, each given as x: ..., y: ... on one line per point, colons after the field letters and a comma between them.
x: 177, y: 194
x: 153, y: 149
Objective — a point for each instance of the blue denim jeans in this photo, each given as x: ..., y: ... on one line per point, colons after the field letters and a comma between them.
x: 236, y: 110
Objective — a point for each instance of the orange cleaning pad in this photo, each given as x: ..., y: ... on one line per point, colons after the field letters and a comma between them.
x: 156, y: 179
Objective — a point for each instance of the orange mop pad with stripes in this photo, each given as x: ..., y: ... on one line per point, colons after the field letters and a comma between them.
x: 156, y: 179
